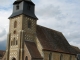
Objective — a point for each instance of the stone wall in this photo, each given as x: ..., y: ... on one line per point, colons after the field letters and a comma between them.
x: 58, y: 56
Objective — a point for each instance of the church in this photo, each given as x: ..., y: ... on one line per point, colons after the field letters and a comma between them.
x: 29, y: 41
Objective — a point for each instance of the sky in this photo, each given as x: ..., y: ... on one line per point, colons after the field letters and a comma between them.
x: 60, y: 15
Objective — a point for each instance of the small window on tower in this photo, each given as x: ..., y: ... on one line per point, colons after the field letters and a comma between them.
x: 17, y: 7
x: 14, y: 32
x: 15, y: 24
x: 16, y: 42
x: 28, y: 7
x: 29, y: 24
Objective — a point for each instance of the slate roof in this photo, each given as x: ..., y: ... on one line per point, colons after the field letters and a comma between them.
x: 52, y: 40
x: 77, y: 49
x: 33, y: 50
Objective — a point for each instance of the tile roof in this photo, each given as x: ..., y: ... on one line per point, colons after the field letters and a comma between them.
x: 33, y: 49
x: 52, y: 40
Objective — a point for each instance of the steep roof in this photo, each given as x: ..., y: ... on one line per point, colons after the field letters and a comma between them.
x: 52, y: 40
x: 33, y: 49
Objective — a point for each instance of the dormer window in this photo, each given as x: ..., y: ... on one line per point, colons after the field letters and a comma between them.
x: 17, y: 7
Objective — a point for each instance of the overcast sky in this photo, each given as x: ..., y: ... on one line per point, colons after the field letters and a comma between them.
x: 60, y: 15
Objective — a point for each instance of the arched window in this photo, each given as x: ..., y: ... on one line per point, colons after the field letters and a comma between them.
x: 15, y: 24
x: 13, y: 58
x: 26, y: 58
x: 14, y: 41
x: 70, y: 57
x: 14, y: 32
x: 61, y: 57
x: 50, y: 56
x: 29, y: 24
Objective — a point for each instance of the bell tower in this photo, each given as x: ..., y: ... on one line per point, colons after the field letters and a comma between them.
x: 22, y: 28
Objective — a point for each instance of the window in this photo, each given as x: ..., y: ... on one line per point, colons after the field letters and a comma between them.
x: 16, y: 42
x: 17, y: 7
x: 14, y: 32
x: 70, y: 57
x: 29, y: 24
x: 61, y: 57
x: 15, y: 24
x: 50, y: 56
x: 13, y: 58
x: 28, y: 7
x: 26, y: 58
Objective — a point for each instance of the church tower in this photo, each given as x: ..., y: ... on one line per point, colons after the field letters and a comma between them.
x: 22, y: 28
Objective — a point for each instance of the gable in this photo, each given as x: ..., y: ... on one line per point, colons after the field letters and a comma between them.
x: 52, y: 40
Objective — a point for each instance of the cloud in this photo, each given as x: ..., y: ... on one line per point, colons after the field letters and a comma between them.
x: 4, y: 27
x: 61, y: 15
x: 6, y: 3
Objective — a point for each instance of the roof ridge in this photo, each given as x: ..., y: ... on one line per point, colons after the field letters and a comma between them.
x: 49, y: 28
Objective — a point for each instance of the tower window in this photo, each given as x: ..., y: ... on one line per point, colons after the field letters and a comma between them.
x: 16, y: 42
x: 14, y: 32
x: 15, y: 24
x: 17, y: 7
x: 28, y: 7
x: 29, y: 24
x: 26, y: 58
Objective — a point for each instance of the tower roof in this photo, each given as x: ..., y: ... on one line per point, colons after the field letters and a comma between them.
x: 26, y: 7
